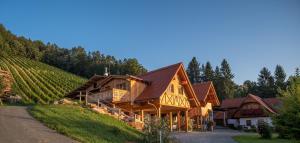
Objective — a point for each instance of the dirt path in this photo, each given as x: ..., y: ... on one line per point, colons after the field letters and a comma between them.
x: 17, y: 126
x: 218, y: 136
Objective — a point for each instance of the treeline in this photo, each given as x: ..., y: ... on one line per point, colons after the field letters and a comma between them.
x: 267, y: 85
x: 75, y: 60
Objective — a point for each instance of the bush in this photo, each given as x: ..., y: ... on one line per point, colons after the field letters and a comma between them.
x: 1, y: 85
x: 264, y: 129
x: 154, y: 128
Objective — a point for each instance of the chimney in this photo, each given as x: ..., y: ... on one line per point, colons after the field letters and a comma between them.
x: 105, y: 72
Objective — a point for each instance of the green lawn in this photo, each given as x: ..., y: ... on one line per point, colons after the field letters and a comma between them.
x: 84, y: 125
x: 255, y: 138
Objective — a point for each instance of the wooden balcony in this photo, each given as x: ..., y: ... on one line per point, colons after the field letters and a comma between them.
x: 111, y: 95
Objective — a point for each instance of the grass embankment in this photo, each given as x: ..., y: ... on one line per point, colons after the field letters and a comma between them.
x: 84, y: 125
x: 254, y: 138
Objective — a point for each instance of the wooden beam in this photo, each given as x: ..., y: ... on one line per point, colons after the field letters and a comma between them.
x: 186, y: 121
x: 142, y: 115
x: 197, y: 121
x: 178, y: 120
x: 159, y: 112
x: 171, y: 121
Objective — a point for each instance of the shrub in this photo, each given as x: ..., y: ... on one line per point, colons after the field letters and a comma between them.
x: 287, y: 122
x: 154, y: 128
x: 264, y: 129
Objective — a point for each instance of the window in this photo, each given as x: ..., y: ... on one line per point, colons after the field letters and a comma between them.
x: 248, y: 122
x: 172, y: 88
x: 122, y: 86
x: 180, y: 90
x: 95, y: 85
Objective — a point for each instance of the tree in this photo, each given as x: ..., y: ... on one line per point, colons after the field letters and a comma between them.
x: 287, y: 121
x: 250, y: 87
x: 266, y: 84
x: 193, y: 71
x: 132, y: 67
x: 208, y: 72
x: 226, y: 70
x: 202, y: 75
x: 227, y: 85
x: 280, y: 76
x: 297, y: 73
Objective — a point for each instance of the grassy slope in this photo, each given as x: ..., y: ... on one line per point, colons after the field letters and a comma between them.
x: 38, y: 82
x: 85, y: 125
x: 254, y: 138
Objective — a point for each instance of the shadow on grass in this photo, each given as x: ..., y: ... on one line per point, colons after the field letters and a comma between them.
x: 86, y: 126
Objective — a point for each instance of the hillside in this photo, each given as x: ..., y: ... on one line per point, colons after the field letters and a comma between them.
x: 85, y: 125
x: 37, y: 82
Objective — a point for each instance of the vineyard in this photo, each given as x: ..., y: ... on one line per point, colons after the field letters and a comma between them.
x: 37, y: 82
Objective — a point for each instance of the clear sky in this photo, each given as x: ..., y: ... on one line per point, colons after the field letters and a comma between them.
x: 250, y: 34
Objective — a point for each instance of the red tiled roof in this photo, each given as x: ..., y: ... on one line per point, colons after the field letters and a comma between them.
x: 261, y: 102
x: 201, y: 90
x: 274, y: 103
x: 232, y: 103
x: 268, y: 103
x: 159, y: 80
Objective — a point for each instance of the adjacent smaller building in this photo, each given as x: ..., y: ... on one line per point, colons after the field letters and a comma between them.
x: 246, y: 111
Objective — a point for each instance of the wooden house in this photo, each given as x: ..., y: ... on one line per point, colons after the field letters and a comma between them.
x: 165, y: 93
x: 246, y: 111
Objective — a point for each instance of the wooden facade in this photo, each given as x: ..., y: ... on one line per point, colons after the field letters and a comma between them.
x: 165, y: 93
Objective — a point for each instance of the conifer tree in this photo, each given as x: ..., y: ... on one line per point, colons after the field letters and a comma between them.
x: 297, y: 73
x: 227, y: 84
x: 279, y: 76
x: 193, y: 70
x: 265, y: 83
x: 202, y: 75
x: 218, y: 82
x: 208, y: 72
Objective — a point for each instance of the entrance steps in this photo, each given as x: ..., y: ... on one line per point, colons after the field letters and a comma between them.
x: 117, y: 113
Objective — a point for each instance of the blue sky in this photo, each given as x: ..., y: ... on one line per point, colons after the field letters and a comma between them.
x: 250, y: 34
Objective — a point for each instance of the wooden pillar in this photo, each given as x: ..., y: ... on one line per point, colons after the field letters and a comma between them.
x: 186, y: 121
x: 178, y: 120
x: 119, y: 113
x: 201, y: 120
x: 86, y: 94
x: 171, y: 121
x: 142, y: 115
x: 198, y: 122
x: 80, y: 94
x: 158, y: 113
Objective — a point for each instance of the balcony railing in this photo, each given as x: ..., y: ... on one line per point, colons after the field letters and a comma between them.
x: 111, y: 95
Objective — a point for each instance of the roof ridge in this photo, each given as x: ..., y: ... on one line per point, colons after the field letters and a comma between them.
x: 163, y: 68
